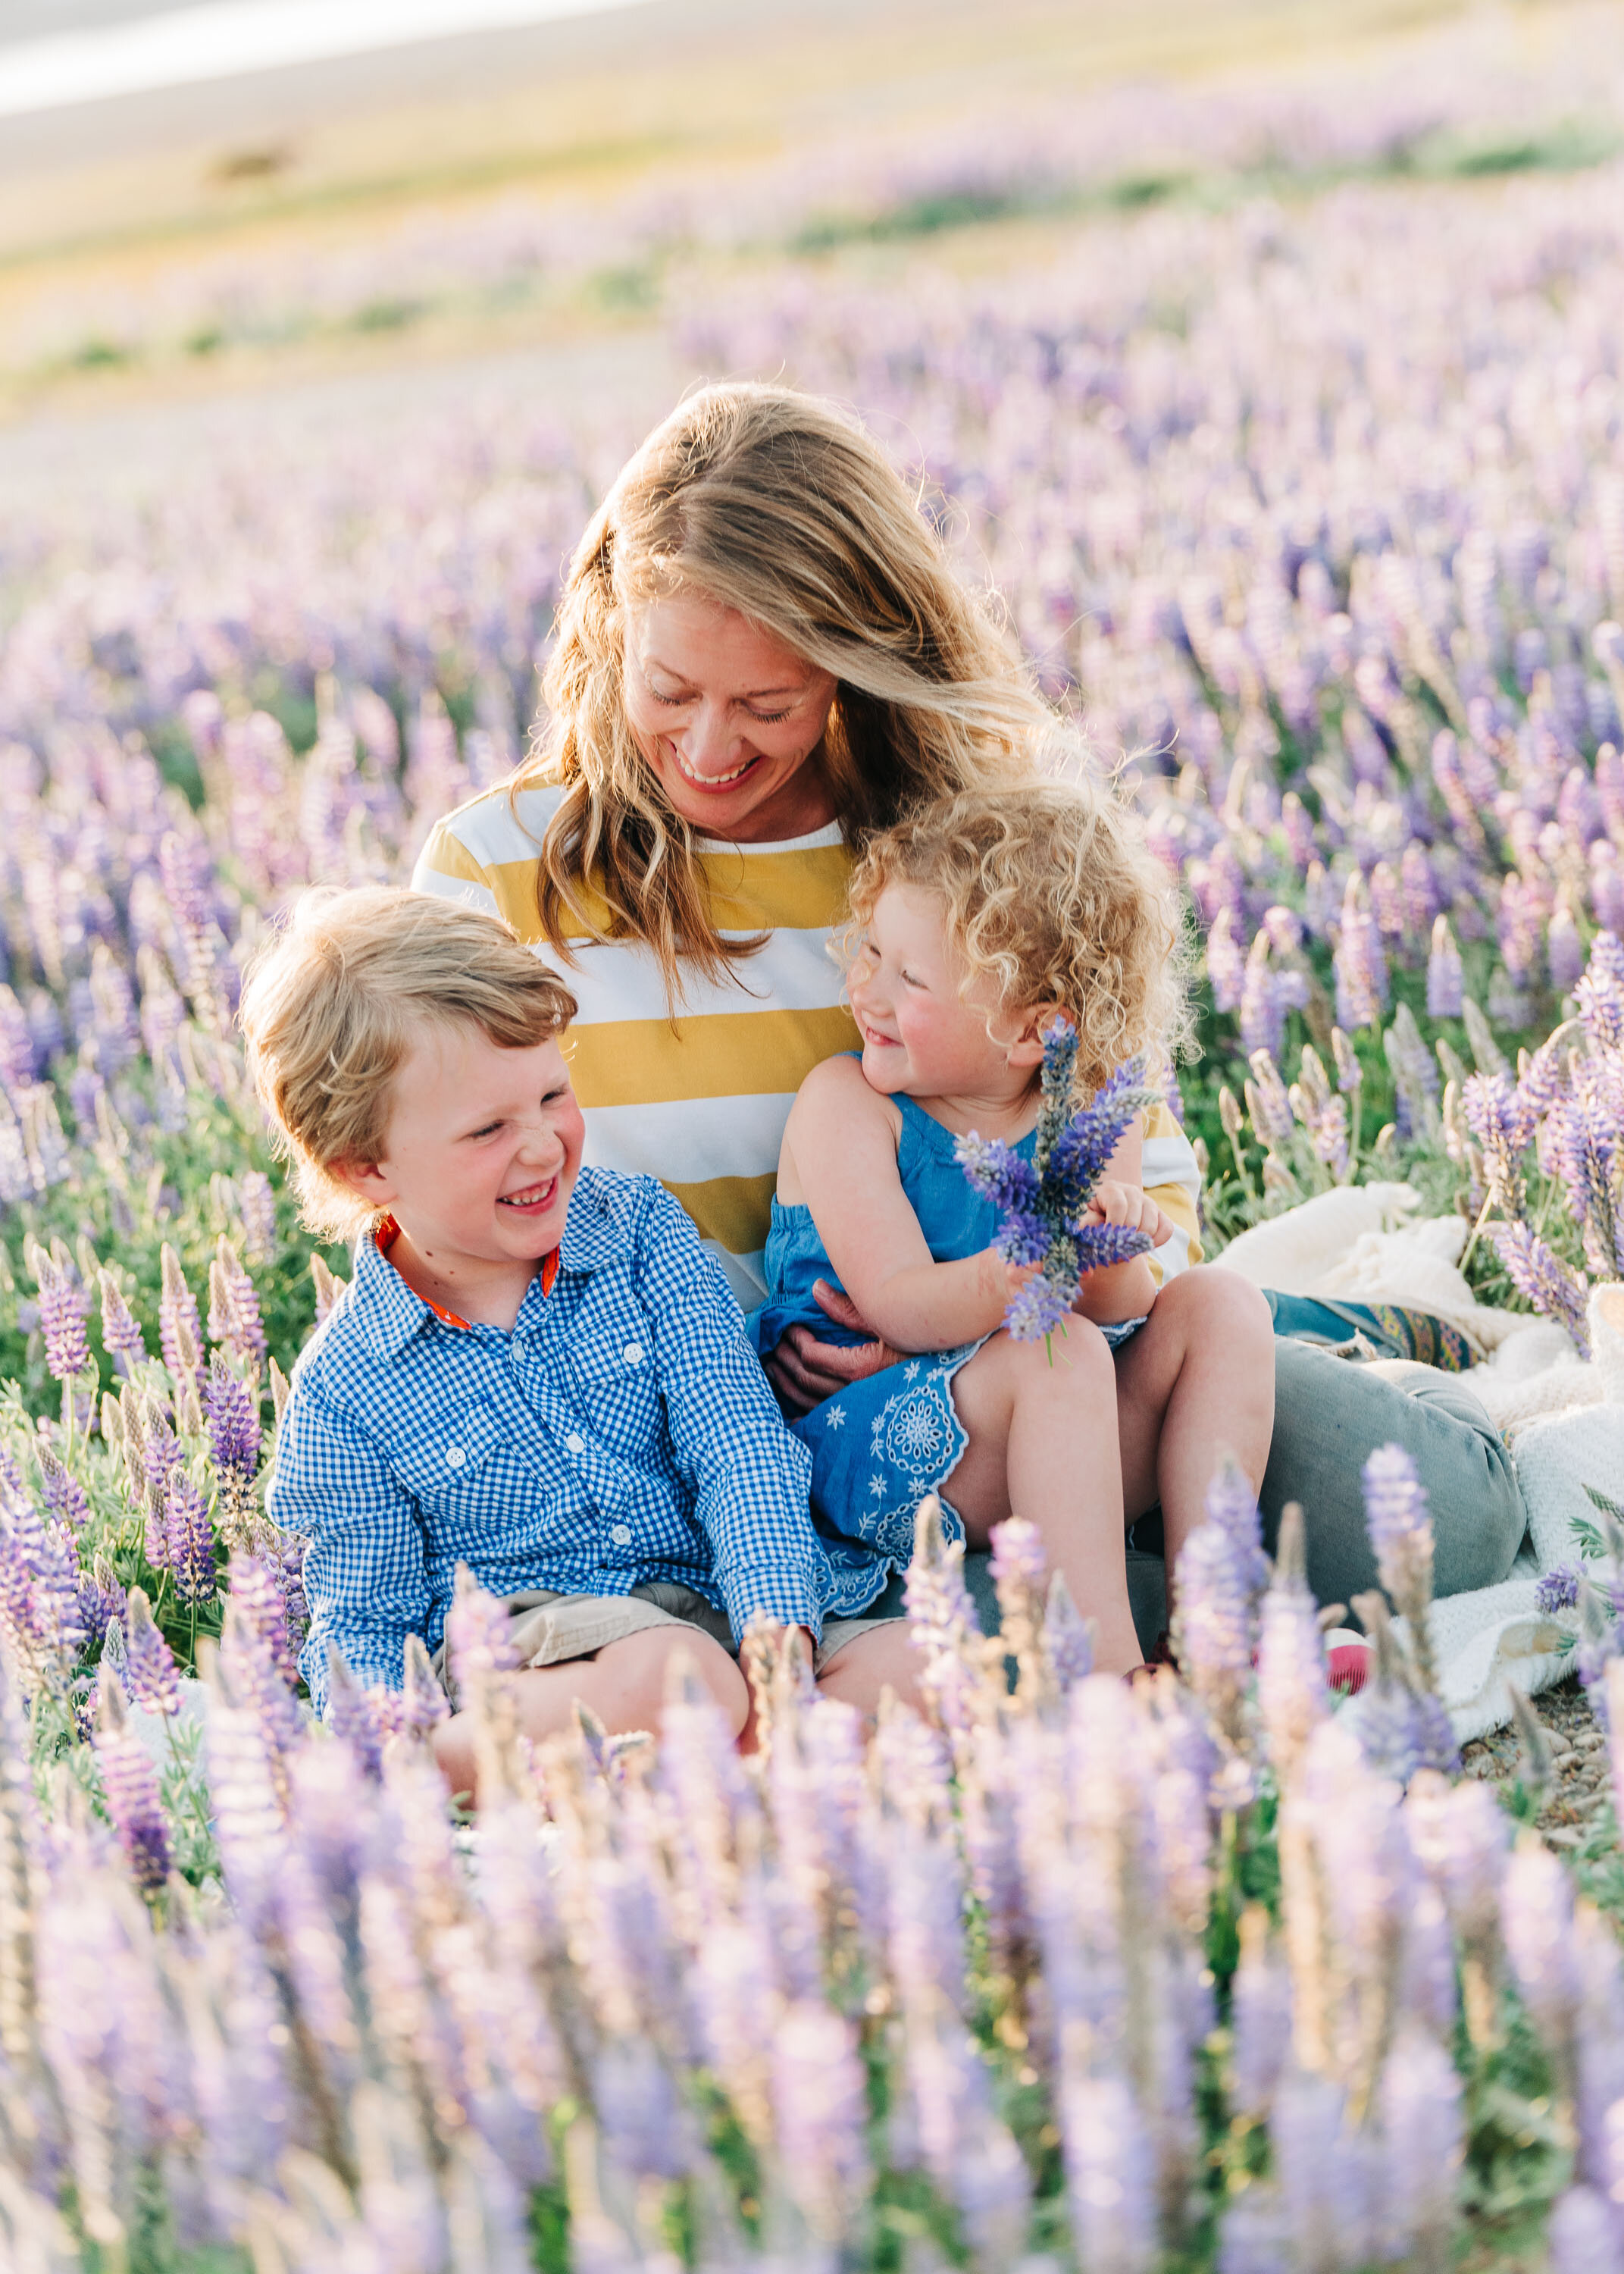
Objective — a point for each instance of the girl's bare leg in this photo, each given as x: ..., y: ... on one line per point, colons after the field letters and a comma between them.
x: 1197, y: 1381
x: 885, y: 1659
x: 624, y: 1683
x: 1043, y: 1446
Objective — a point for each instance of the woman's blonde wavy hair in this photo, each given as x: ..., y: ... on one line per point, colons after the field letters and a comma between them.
x: 1050, y: 894
x: 775, y: 504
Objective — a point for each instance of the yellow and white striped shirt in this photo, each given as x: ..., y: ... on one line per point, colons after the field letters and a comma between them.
x: 699, y: 1100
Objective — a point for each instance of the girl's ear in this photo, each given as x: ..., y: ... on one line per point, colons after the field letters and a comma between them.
x: 1027, y: 1049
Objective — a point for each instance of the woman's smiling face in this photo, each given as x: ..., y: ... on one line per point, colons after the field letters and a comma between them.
x: 730, y: 720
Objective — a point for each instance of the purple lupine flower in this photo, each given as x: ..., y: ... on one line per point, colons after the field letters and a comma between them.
x: 1497, y: 1119
x: 1360, y: 966
x: 256, y: 1588
x: 234, y: 1320
x: 1388, y: 901
x: 1109, y: 2175
x: 254, y: 1656
x: 100, y: 1602
x: 1537, y: 1922
x: 149, y: 1663
x: 820, y: 2110
x: 1067, y: 1638
x: 352, y: 1716
x: 1599, y: 995
x: 1446, y: 982
x: 64, y: 1497
x: 1262, y: 1005
x: 1397, y: 1520
x: 121, y: 1331
x: 180, y: 1331
x: 1259, y: 2020
x: 1268, y: 1103
x: 296, y: 1603
x: 1100, y: 1246
x: 232, y: 1414
x: 997, y: 1172
x: 1292, y: 1695
x: 1213, y: 1624
x: 1226, y: 966
x: 190, y: 1539
x: 424, y: 1702
x: 1232, y: 1505
x: 1564, y: 952
x: 130, y: 1787
x: 1325, y: 2176
x: 1582, y: 2236
x: 63, y: 1307
x: 941, y: 1617
x: 1021, y: 1238
x: 1558, y: 1589
x: 1422, y: 897
x: 1255, y: 2236
x: 1036, y: 1311
x: 1542, y: 1279
x: 256, y: 1201
x: 1422, y: 2130
x: 1598, y: 1645
x: 478, y: 1633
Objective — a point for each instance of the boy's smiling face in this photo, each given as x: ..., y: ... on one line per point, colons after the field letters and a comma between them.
x: 483, y: 1149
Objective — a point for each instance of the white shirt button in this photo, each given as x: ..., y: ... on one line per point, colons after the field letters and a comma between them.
x: 621, y: 1534
x: 455, y: 1456
x: 575, y: 1442
x: 633, y: 1353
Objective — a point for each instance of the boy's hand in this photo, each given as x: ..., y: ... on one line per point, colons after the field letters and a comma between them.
x: 1127, y: 1204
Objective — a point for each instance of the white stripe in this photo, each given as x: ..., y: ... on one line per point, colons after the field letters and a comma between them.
x: 692, y: 1138
x: 224, y: 39
x: 495, y: 827
x: 615, y: 979
x: 746, y: 1275
x: 1170, y: 1160
x: 454, y: 888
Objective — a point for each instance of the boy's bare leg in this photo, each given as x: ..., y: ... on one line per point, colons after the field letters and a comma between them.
x: 624, y: 1684
x: 1043, y: 1446
x: 1196, y: 1382
x: 885, y: 1659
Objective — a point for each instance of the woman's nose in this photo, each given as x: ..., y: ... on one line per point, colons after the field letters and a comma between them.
x: 709, y: 741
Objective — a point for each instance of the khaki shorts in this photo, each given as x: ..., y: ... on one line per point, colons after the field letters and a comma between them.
x: 550, y: 1628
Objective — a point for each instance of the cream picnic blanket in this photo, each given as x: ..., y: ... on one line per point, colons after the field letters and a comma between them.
x: 1562, y: 1417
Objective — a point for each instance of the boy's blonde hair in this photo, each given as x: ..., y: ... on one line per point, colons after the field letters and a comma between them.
x: 1051, y: 894
x: 334, y: 1002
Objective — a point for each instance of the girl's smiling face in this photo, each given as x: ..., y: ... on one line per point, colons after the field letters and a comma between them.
x: 923, y: 1034
x: 730, y: 720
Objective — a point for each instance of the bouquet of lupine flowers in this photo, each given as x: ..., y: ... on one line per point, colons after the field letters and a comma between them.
x: 1042, y: 1204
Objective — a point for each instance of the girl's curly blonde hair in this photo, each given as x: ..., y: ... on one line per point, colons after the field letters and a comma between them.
x: 1050, y: 892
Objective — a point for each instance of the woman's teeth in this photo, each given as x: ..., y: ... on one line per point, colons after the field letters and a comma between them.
x: 713, y: 781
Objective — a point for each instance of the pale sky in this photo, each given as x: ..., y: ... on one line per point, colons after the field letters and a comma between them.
x: 55, y: 52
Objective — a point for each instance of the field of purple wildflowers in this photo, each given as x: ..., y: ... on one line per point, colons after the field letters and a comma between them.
x: 1311, y: 507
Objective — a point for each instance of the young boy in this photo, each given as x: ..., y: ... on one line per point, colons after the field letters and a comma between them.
x: 537, y: 1369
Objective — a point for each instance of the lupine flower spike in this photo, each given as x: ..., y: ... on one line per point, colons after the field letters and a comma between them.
x: 1043, y: 1203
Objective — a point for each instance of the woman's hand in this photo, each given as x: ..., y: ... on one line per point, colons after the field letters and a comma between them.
x: 1127, y: 1204
x: 804, y: 1371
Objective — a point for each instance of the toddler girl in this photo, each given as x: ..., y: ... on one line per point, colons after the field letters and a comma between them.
x: 978, y: 920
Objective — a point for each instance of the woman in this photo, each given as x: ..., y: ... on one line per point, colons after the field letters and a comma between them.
x: 763, y: 654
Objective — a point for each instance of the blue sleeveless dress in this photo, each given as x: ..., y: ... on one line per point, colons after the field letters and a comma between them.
x: 879, y: 1446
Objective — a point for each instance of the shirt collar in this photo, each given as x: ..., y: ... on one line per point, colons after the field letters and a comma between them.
x: 388, y: 1311
x: 594, y: 1231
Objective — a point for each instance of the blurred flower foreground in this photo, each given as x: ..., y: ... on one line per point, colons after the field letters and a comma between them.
x: 1314, y: 509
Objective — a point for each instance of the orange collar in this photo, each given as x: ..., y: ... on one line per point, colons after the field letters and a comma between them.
x: 388, y: 1231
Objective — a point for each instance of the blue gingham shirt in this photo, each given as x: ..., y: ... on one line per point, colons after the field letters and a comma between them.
x: 622, y: 1432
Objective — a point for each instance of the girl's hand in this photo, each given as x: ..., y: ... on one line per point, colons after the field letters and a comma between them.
x: 1127, y: 1204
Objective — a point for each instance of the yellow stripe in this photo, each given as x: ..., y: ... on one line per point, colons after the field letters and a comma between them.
x: 760, y: 892
x: 735, y: 1211
x: 738, y: 1054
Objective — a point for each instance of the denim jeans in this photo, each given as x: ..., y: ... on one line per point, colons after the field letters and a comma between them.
x: 1330, y: 1414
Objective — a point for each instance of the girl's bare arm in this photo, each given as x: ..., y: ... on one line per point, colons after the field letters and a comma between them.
x: 840, y: 1158
x: 1125, y: 1290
